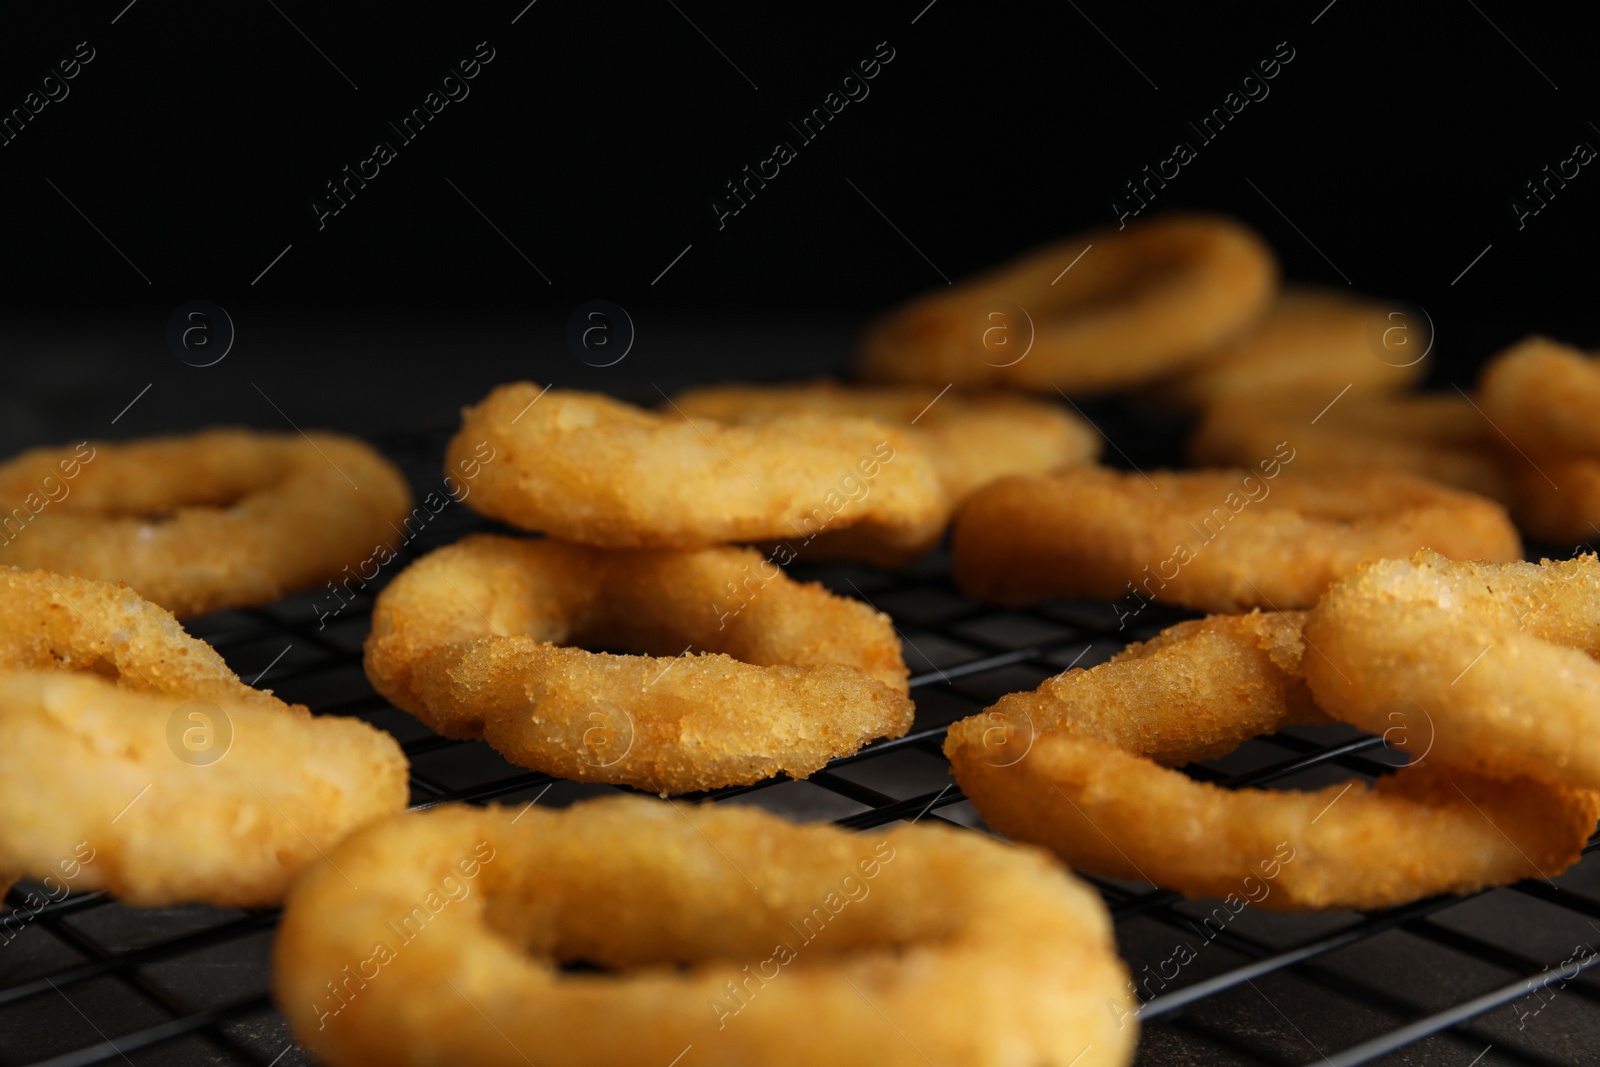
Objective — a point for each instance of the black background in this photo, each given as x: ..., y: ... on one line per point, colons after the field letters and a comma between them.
x: 594, y: 142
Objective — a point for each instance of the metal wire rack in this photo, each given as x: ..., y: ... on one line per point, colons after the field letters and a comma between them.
x: 1494, y: 978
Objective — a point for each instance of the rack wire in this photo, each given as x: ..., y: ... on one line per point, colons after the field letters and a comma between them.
x: 1498, y: 977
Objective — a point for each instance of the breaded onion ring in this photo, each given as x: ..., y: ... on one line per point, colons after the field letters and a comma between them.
x: 593, y: 470
x: 1194, y: 691
x: 1499, y: 657
x: 973, y: 439
x: 1210, y: 540
x: 83, y: 761
x: 1315, y: 340
x: 1139, y: 302
x: 750, y: 938
x: 78, y: 624
x: 1438, y: 436
x: 218, y: 519
x: 1543, y: 395
x: 1556, y: 500
x: 469, y: 640
x: 1076, y: 766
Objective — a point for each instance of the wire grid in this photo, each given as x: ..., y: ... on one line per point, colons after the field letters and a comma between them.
x: 1493, y: 975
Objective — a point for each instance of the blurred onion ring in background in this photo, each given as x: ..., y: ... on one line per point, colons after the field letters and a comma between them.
x: 1100, y: 311
x: 1317, y: 340
x: 1438, y: 436
x: 218, y: 519
x: 1213, y: 540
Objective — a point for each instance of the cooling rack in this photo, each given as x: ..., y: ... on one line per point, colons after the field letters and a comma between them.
x: 1499, y: 977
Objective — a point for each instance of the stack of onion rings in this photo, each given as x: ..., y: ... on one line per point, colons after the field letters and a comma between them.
x: 1210, y: 540
x: 747, y: 937
x: 1077, y: 766
x: 592, y: 470
x: 218, y: 519
x: 470, y: 639
x: 1107, y: 309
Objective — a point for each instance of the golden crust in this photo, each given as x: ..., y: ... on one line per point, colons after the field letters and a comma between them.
x: 1140, y: 302
x: 1076, y: 766
x: 85, y: 763
x: 468, y: 639
x: 1194, y: 691
x: 196, y: 523
x: 1321, y: 341
x: 589, y: 469
x: 972, y: 438
x: 977, y: 952
x: 78, y: 624
x: 1497, y: 660
x: 1210, y: 540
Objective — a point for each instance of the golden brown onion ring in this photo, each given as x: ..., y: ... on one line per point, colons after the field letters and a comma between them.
x: 1499, y: 657
x: 1543, y: 395
x: 728, y: 929
x: 972, y: 438
x: 78, y: 624
x: 1439, y: 436
x: 1105, y: 310
x: 470, y: 640
x: 1076, y: 766
x: 589, y: 469
x: 218, y: 519
x: 221, y: 802
x: 1211, y: 540
x: 1321, y: 341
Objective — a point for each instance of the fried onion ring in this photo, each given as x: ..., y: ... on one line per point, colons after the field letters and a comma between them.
x: 1209, y: 540
x: 83, y: 761
x: 1439, y: 436
x: 972, y: 439
x: 753, y: 939
x: 1077, y: 766
x: 218, y: 519
x: 1499, y: 657
x: 1139, y: 302
x: 1557, y: 500
x: 1315, y: 340
x: 469, y: 640
x: 78, y: 624
x: 1543, y: 395
x: 589, y: 469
